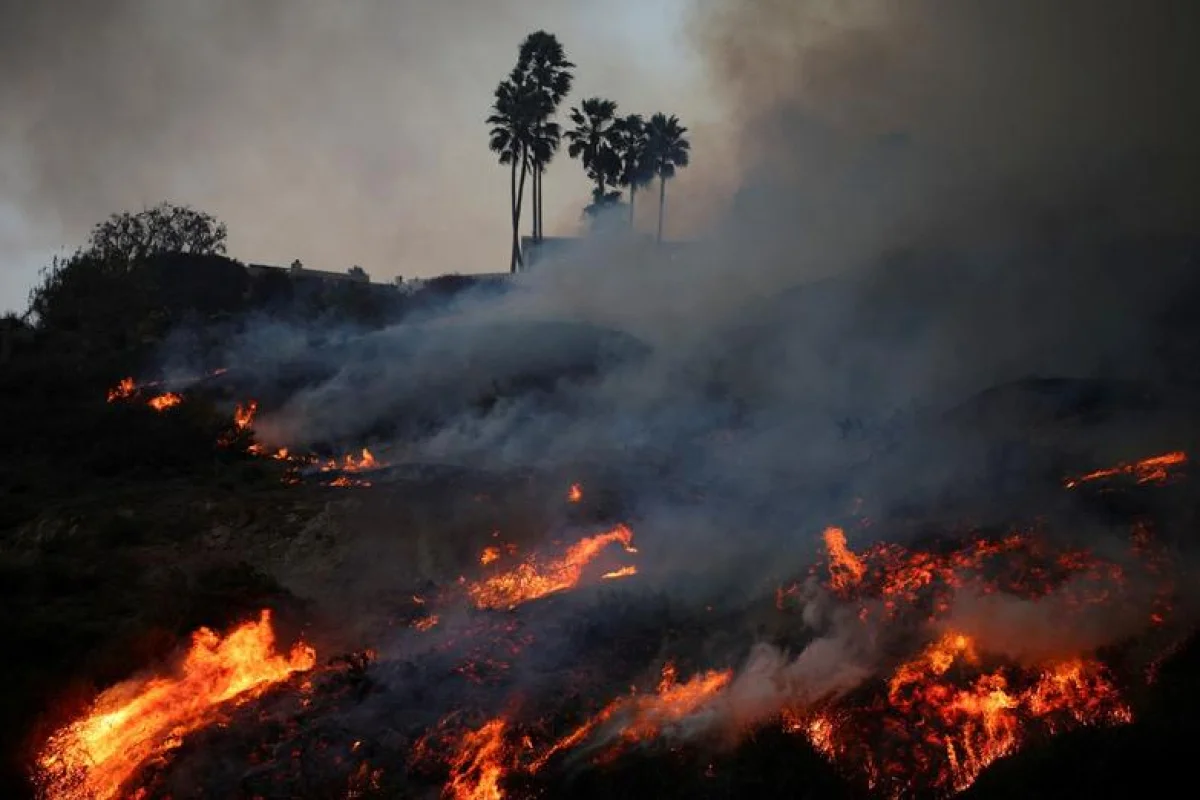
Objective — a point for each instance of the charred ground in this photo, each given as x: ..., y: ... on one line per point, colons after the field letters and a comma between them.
x: 126, y: 529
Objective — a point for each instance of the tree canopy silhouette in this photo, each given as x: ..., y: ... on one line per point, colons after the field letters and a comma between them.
x: 632, y: 142
x: 593, y: 139
x: 668, y: 150
x: 521, y: 132
x: 166, y: 228
x: 542, y: 61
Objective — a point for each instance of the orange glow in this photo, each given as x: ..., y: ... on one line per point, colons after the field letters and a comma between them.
x: 489, y: 555
x: 93, y: 757
x: 243, y: 416
x: 575, y: 493
x: 351, y: 464
x: 164, y: 401
x: 1155, y: 469
x: 479, y: 763
x: 845, y: 568
x: 532, y: 579
x: 122, y: 390
x: 623, y: 572
x: 426, y: 623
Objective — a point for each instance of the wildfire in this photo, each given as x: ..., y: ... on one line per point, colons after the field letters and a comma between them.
x: 1155, y: 469
x: 532, y: 579
x: 479, y: 763
x: 575, y: 493
x: 351, y: 464
x: 243, y: 416
x: 164, y: 401
x: 622, y: 572
x: 93, y: 757
x: 639, y: 718
x: 123, y: 390
x: 947, y: 712
x: 845, y: 569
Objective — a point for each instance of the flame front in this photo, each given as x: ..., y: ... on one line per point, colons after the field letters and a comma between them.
x: 479, y: 763
x: 93, y: 757
x: 532, y: 579
x: 952, y: 709
x: 1155, y: 469
x: 164, y: 401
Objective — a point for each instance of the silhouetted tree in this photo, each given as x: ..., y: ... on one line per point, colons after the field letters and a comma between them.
x: 632, y: 146
x: 668, y: 150
x: 515, y: 111
x: 165, y: 228
x: 542, y: 62
x: 358, y: 272
x: 593, y: 140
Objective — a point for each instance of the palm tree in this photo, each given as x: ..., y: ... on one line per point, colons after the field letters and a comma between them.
x: 593, y: 141
x: 514, y: 113
x: 632, y: 144
x: 668, y: 150
x: 542, y: 61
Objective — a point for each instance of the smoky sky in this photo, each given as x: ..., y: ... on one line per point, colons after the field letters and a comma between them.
x: 338, y: 133
x: 352, y: 132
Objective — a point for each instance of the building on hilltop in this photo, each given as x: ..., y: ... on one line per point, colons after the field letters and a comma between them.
x: 298, y: 271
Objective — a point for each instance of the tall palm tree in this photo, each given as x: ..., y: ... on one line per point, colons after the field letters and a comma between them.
x: 668, y: 151
x: 633, y: 142
x: 542, y: 61
x: 593, y: 141
x: 514, y: 113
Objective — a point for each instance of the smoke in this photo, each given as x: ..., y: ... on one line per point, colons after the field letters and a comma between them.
x: 340, y: 135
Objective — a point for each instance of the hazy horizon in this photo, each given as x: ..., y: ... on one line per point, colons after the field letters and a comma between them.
x: 344, y: 137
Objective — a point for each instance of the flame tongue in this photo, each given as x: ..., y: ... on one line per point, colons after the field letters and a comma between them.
x: 93, y: 757
x: 532, y: 579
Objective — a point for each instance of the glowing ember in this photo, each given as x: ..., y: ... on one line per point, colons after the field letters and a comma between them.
x: 243, y: 416
x: 489, y: 555
x: 575, y: 493
x: 123, y: 390
x: 164, y: 401
x: 623, y: 572
x: 426, y: 623
x: 1155, y: 469
x: 478, y: 764
x: 532, y: 579
x: 351, y: 464
x: 94, y: 756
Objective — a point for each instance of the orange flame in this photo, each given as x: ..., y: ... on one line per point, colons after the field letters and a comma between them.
x: 93, y: 757
x: 122, y: 390
x: 489, y: 555
x: 350, y: 464
x: 845, y: 568
x: 623, y: 572
x: 575, y: 493
x: 1155, y: 469
x: 642, y: 717
x: 243, y: 416
x: 164, y: 401
x: 479, y: 764
x: 531, y: 579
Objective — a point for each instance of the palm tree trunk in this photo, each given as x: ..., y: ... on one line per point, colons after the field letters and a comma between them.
x: 517, y: 214
x: 512, y: 210
x: 662, y: 201
x: 632, y: 199
x: 533, y: 197
x: 538, y: 204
